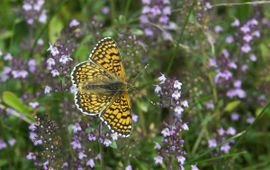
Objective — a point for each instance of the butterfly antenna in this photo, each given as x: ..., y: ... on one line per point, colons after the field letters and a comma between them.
x: 137, y: 76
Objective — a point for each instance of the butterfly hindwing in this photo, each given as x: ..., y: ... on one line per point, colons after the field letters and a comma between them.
x: 107, y: 55
x: 92, y: 103
x: 118, y: 114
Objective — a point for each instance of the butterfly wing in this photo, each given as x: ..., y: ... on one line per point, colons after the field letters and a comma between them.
x: 117, y: 115
x: 107, y: 55
x: 90, y: 102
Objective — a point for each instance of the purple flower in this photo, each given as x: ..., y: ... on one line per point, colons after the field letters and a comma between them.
x: 245, y: 29
x: 178, y: 110
x: 229, y: 39
x: 176, y: 95
x: 90, y: 163
x: 148, y: 32
x: 129, y: 167
x: 105, y: 10
x: 235, y: 116
x: 221, y: 131
x: 250, y: 119
x: 134, y: 117
x: 181, y: 160
x: 158, y: 160
x: 107, y: 142
x: 2, y: 144
x: 74, y: 23
x: 11, y: 142
x: 218, y: 28
x: 55, y: 73
x: 166, y: 132
x: 33, y: 104
x: 32, y: 127
x: 162, y: 78
x: 147, y: 2
x: 225, y: 148
x: 47, y: 89
x: 212, y: 143
x: 209, y: 105
x: 8, y: 56
x: 19, y: 74
x: 32, y: 65
x: 177, y: 85
x: 31, y: 156
x: 235, y: 23
x: 92, y: 137
x: 81, y: 155
x: 76, y: 128
x: 231, y: 131
x: 76, y: 143
x: 33, y: 136
x: 157, y: 146
x: 247, y: 38
x: 64, y: 59
x: 252, y: 57
x: 194, y: 167
x: 54, y: 51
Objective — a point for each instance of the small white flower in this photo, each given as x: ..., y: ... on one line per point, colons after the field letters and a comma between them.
x: 157, y: 146
x: 225, y: 148
x: 129, y: 167
x: 50, y: 61
x: 177, y: 84
x: 34, y: 104
x: 184, y: 103
x: 55, y: 73
x: 178, y: 110
x: 181, y: 159
x: 107, y: 142
x: 166, y: 132
x: 74, y: 23
x: 43, y: 17
x: 47, y: 89
x: 73, y: 89
x: 90, y: 163
x: 27, y: 6
x: 40, y: 42
x: 114, y: 136
x: 231, y: 131
x: 158, y: 160
x: 64, y: 59
x: 212, y: 143
x: 81, y: 155
x: 8, y: 56
x: 157, y: 89
x: 176, y: 95
x: 185, y: 126
x: 54, y: 51
x: 194, y: 167
x: 162, y: 78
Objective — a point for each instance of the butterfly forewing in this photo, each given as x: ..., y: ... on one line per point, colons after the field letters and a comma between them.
x: 107, y: 55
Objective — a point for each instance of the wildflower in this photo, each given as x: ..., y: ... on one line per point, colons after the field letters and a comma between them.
x: 11, y: 142
x: 162, y: 78
x: 176, y: 95
x: 31, y: 156
x: 114, y: 136
x: 221, y: 131
x: 178, y: 110
x: 107, y: 142
x: 235, y: 116
x: 105, y: 10
x: 158, y: 160
x: 129, y: 167
x: 250, y: 119
x: 247, y: 38
x: 157, y: 89
x: 209, y: 104
x: 76, y: 128
x: 33, y: 104
x: 54, y: 51
x: 91, y: 137
x: 225, y: 148
x: 90, y: 163
x: 64, y: 59
x: 32, y: 65
x: 76, y: 144
x: 231, y: 131
x: 157, y: 146
x: 2, y: 144
x: 194, y: 167
x: 43, y: 17
x: 212, y: 62
x: 47, y: 89
x: 181, y: 159
x: 134, y: 118
x: 229, y: 39
x: 166, y: 132
x: 74, y: 23
x: 177, y: 84
x: 252, y: 57
x: 8, y: 56
x: 218, y: 28
x: 81, y: 155
x: 212, y: 143
x: 235, y: 23
x: 50, y: 62
x: 55, y: 73
x: 185, y: 126
x: 32, y: 127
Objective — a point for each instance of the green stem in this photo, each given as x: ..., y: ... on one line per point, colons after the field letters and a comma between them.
x: 101, y: 151
x: 181, y: 36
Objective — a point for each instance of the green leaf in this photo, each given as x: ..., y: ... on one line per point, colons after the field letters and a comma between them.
x: 3, y: 162
x: 232, y: 105
x: 55, y: 28
x: 6, y: 34
x: 113, y: 145
x: 14, y: 102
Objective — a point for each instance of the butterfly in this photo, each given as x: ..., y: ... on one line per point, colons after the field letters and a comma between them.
x: 101, y: 87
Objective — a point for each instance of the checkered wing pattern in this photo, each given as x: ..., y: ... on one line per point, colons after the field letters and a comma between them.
x: 107, y: 55
x: 118, y: 115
